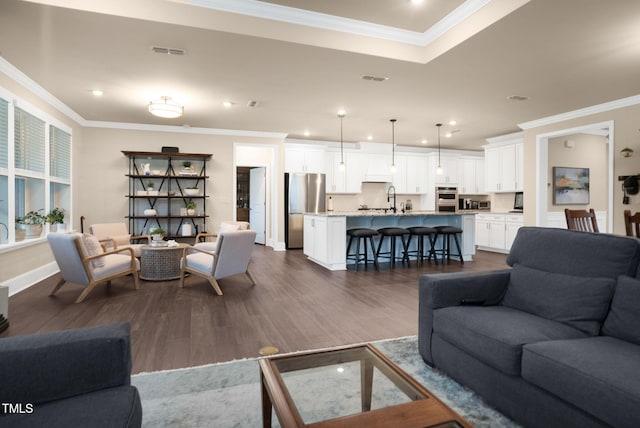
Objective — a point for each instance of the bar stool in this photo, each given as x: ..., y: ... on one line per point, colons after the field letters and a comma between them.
x: 446, y: 232
x: 362, y: 234
x: 421, y: 232
x: 393, y: 233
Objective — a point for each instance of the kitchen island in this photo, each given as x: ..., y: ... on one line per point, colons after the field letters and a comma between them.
x: 325, y: 234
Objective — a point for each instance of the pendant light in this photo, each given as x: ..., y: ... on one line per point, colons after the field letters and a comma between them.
x: 439, y: 170
x: 341, y: 165
x: 393, y: 146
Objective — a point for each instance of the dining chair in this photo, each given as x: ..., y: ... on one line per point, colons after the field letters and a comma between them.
x: 231, y: 257
x: 632, y: 223
x: 82, y: 260
x: 582, y: 220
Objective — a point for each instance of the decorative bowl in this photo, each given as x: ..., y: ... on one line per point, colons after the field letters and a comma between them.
x: 150, y: 211
x: 191, y: 192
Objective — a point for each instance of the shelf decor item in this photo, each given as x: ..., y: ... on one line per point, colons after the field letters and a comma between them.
x: 191, y: 208
x: 157, y: 233
x: 56, y: 219
x: 192, y: 191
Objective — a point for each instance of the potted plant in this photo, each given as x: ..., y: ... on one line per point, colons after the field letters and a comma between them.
x: 187, y: 168
x: 151, y: 189
x: 191, y: 208
x: 56, y: 219
x: 192, y: 190
x: 157, y: 233
x: 29, y: 225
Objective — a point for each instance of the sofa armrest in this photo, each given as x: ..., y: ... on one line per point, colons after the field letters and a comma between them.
x: 453, y: 289
x: 50, y: 366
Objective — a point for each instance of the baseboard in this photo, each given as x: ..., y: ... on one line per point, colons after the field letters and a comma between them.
x: 278, y: 246
x: 26, y: 280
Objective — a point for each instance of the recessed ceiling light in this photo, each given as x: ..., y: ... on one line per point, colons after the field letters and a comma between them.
x: 424, y: 141
x: 417, y: 1
x: 517, y: 98
x: 228, y: 104
x: 307, y: 133
x: 97, y: 92
x: 448, y: 135
x: 452, y: 122
x: 370, y: 137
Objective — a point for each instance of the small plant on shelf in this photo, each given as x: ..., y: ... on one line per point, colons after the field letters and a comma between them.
x: 32, y: 217
x: 55, y: 216
x: 30, y: 225
x: 186, y: 164
x: 191, y: 207
x: 151, y: 185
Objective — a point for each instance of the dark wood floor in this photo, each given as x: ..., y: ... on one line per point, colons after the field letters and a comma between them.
x: 296, y: 305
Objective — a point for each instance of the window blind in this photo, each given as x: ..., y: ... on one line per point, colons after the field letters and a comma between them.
x: 29, y: 141
x: 59, y: 153
x: 4, y: 133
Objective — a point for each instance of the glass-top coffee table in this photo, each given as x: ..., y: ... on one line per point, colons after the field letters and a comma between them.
x: 355, y: 386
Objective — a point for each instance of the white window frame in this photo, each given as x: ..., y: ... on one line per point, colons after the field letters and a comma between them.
x: 11, y: 172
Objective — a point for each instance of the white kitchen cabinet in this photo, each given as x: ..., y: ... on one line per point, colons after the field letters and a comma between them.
x: 304, y: 159
x: 347, y: 180
x: 472, y: 176
x: 410, y: 177
x: 325, y: 240
x: 504, y: 167
x: 449, y: 164
x: 496, y: 232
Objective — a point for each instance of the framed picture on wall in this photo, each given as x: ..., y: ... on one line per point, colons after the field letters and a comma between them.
x: 570, y: 186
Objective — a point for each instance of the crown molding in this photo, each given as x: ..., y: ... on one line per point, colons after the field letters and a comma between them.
x: 183, y: 129
x: 291, y: 15
x: 22, y: 79
x: 587, y: 111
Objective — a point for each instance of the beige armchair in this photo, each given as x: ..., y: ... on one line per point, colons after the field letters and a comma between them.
x: 116, y: 236
x: 83, y: 261
x: 231, y: 257
x: 207, y: 241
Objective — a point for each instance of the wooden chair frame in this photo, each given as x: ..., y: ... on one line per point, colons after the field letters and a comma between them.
x: 632, y: 223
x: 133, y: 270
x: 581, y: 220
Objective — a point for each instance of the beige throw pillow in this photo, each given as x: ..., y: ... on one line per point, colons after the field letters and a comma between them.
x: 92, y: 247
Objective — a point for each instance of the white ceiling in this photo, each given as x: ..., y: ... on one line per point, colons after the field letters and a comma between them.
x: 302, y: 61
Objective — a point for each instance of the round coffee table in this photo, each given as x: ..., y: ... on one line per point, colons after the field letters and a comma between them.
x: 160, y: 263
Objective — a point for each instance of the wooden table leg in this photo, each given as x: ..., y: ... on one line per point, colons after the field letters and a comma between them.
x: 267, y: 407
x: 366, y: 378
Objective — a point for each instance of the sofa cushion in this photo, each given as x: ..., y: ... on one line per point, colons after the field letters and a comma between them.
x: 495, y: 334
x: 91, y: 247
x: 573, y: 300
x: 575, y: 253
x: 113, y: 407
x: 597, y: 374
x: 623, y: 319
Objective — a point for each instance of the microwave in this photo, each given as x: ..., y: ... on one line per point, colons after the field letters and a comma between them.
x: 481, y: 205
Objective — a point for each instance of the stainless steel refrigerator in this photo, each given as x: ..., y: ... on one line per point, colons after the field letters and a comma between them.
x: 303, y: 193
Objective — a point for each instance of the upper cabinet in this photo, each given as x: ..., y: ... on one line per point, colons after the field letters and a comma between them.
x: 411, y: 174
x: 347, y: 180
x: 504, y: 163
x: 449, y: 164
x: 300, y: 158
x: 472, y: 176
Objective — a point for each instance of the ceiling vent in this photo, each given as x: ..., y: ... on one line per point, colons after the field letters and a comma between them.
x: 168, y: 51
x: 374, y: 78
x: 517, y: 98
x: 252, y: 103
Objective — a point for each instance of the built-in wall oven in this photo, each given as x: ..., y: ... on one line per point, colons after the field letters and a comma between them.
x: 447, y: 199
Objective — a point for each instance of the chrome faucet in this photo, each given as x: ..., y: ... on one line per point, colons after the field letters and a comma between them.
x: 389, y: 196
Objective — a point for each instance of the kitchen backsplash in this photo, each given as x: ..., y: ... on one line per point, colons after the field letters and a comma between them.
x: 373, y: 195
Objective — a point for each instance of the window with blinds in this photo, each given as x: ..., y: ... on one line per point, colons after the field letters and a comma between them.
x: 29, y: 140
x: 59, y: 153
x: 4, y: 133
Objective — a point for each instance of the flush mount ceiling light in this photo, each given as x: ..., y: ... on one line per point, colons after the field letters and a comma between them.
x: 166, y: 108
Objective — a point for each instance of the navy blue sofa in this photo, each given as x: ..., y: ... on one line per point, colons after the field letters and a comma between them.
x: 69, y: 378
x: 552, y: 342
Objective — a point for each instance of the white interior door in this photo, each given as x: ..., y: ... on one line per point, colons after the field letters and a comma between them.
x: 257, y: 202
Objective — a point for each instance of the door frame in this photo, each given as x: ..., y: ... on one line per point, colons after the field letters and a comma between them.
x: 542, y: 167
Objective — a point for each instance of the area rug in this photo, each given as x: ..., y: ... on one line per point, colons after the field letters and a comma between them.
x: 227, y: 395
